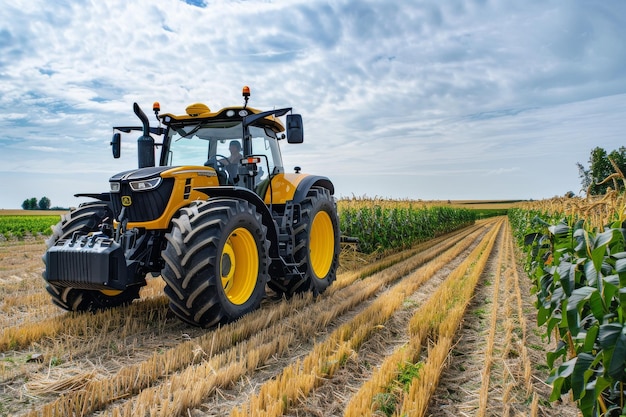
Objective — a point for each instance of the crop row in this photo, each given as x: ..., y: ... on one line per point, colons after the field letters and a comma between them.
x: 576, y: 258
x: 19, y: 226
x: 379, y: 227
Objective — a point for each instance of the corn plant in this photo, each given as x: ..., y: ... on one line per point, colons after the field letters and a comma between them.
x: 380, y: 227
x: 579, y: 275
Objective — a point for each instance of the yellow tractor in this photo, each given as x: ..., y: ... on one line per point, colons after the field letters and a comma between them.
x: 217, y: 217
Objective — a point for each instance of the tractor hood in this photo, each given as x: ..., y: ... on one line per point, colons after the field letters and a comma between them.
x: 139, y: 174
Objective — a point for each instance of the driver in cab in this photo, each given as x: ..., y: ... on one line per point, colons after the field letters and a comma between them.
x: 231, y: 163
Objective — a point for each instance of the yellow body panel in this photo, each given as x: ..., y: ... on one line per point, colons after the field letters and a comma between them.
x: 283, y: 188
x: 200, y: 177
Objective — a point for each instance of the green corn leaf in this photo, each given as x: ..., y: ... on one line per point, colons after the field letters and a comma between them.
x: 604, y: 238
x: 572, y: 323
x: 611, y: 280
x: 590, y: 338
x: 560, y: 230
x: 597, y: 255
x: 559, y: 378
x: 597, y: 305
x: 532, y: 238
x: 579, y: 374
x: 559, y: 352
x: 616, y: 365
x: 622, y: 297
x: 608, y: 334
x: 578, y: 296
x: 576, y: 303
x: 611, y: 287
x: 566, y: 272
x: 546, y: 283
x: 591, y: 273
x: 540, y: 221
x: 620, y: 264
x: 552, y: 322
x: 601, y: 384
x: 543, y: 314
x: 579, y: 236
x: 556, y: 298
x: 587, y: 404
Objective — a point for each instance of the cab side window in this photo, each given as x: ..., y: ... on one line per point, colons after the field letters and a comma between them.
x: 261, y: 146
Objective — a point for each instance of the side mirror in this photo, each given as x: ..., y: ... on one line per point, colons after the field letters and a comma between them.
x: 115, y: 144
x: 295, y: 130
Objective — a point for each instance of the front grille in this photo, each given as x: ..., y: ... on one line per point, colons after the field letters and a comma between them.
x: 146, y: 205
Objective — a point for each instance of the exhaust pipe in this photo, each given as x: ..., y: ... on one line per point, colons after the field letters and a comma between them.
x: 145, y: 144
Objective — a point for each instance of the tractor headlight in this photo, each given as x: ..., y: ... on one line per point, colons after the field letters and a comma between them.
x: 115, y: 187
x: 145, y: 185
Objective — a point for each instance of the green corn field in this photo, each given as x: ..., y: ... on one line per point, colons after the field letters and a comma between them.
x: 18, y: 226
x: 380, y: 226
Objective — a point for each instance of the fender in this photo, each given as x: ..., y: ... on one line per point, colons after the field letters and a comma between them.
x: 310, y: 181
x: 96, y: 196
x: 286, y: 187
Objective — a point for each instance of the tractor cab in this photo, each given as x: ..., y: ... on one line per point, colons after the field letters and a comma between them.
x: 239, y: 143
x: 241, y: 155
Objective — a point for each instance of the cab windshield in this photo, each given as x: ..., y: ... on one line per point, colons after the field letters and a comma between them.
x: 221, y: 144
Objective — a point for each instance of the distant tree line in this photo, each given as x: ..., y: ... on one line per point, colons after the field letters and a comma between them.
x: 33, y: 204
x: 606, y: 170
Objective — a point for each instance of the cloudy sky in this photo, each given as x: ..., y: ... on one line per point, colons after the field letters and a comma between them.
x: 455, y: 99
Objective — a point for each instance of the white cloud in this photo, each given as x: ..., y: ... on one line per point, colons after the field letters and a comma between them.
x: 455, y: 92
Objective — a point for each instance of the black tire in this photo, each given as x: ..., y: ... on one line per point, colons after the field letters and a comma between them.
x: 216, y: 261
x: 317, y: 245
x: 86, y: 218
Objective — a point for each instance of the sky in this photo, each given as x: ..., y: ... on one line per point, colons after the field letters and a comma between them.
x: 428, y: 99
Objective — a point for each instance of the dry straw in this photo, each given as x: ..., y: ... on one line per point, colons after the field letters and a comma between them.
x: 493, y: 322
x: 458, y: 289
x: 348, y: 337
x: 140, y: 377
x: 71, y: 381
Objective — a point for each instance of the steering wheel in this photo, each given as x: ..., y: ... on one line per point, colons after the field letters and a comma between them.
x: 219, y: 166
x: 217, y: 162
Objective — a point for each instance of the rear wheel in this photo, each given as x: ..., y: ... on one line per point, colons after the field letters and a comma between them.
x: 85, y: 219
x: 317, y: 245
x: 216, y: 261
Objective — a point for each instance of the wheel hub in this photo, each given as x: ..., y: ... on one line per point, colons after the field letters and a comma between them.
x: 239, y: 266
x: 227, y: 266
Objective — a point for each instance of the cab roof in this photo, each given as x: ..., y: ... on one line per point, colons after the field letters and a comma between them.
x: 199, y: 112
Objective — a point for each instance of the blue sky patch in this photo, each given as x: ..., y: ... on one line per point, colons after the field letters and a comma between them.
x: 197, y: 3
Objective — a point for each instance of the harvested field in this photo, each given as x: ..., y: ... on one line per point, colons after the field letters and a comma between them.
x: 444, y: 328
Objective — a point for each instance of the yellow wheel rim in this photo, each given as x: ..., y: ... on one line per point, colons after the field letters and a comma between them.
x: 111, y: 293
x: 321, y: 244
x: 239, y: 266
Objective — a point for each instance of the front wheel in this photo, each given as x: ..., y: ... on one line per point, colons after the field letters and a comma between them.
x: 216, y: 261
